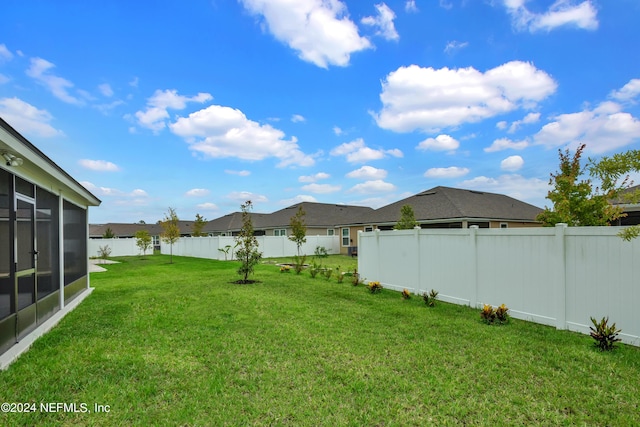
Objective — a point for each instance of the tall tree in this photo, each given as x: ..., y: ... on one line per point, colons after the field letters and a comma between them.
x: 247, y: 244
x: 407, y: 218
x: 573, y: 198
x: 198, y: 225
x: 143, y: 241
x: 576, y: 201
x: 170, y: 229
x: 298, y: 228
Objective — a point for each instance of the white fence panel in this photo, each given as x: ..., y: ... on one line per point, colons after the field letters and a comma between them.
x: 555, y: 276
x: 119, y: 247
x: 270, y: 246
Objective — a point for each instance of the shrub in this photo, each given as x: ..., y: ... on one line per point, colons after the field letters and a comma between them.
x: 605, y: 336
x: 321, y: 252
x: 285, y: 269
x: 430, y: 298
x: 502, y: 314
x: 315, y: 269
x: 406, y: 294
x: 488, y: 314
x: 355, y: 278
x: 374, y: 287
x: 327, y: 272
x: 298, y: 263
x: 104, y: 251
x: 340, y: 274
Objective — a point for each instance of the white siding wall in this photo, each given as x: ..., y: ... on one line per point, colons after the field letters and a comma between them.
x: 555, y: 276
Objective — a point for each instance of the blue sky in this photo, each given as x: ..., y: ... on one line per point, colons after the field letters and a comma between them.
x: 204, y: 104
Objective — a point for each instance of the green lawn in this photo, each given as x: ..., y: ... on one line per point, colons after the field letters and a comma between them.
x: 178, y: 344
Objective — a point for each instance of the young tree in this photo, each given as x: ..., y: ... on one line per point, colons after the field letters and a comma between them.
x: 298, y: 228
x: 143, y: 241
x: 407, y: 218
x: 108, y: 234
x: 247, y: 244
x: 575, y: 200
x: 198, y: 225
x: 170, y: 229
x: 613, y: 173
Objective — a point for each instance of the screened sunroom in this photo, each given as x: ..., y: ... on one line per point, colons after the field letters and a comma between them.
x: 43, y: 241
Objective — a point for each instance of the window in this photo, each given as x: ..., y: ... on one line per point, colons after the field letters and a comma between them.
x: 280, y: 232
x: 345, y: 237
x: 504, y: 225
x: 368, y: 229
x: 331, y: 232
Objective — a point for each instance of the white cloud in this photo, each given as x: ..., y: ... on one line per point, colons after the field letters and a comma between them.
x: 502, y: 125
x: 530, y: 190
x: 99, y: 165
x: 5, y: 54
x: 528, y: 119
x: 197, y: 192
x: 221, y: 132
x: 512, y: 163
x: 455, y: 45
x: 445, y: 4
x: 27, y: 119
x: 313, y: 178
x: 207, y: 206
x: 383, y: 22
x: 450, y: 172
x: 337, y: 130
x: 243, y: 196
x: 155, y: 115
x: 410, y: 6
x: 368, y: 172
x: 429, y: 99
x: 134, y: 82
x: 506, y: 144
x: 439, y: 143
x: 297, y: 199
x: 321, y: 188
x: 40, y: 72
x: 239, y: 173
x: 105, y: 89
x: 603, y: 129
x: 374, y: 186
x: 297, y: 118
x: 319, y: 30
x: 137, y: 196
x: 628, y: 92
x: 560, y: 13
x: 357, y: 152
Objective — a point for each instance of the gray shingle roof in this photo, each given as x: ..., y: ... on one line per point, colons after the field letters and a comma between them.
x: 442, y: 203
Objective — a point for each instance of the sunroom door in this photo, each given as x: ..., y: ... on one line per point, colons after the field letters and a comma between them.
x: 26, y: 261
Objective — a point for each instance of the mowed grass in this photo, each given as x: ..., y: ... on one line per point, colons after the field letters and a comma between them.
x: 178, y: 344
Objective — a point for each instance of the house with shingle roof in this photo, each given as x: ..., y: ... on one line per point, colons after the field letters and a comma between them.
x: 631, y: 209
x: 446, y: 207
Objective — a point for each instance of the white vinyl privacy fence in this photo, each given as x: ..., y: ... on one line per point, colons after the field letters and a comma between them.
x: 270, y: 246
x: 558, y: 276
x: 118, y: 247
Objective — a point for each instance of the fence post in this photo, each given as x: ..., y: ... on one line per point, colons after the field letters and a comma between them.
x: 416, y: 231
x: 561, y: 274
x: 473, y: 299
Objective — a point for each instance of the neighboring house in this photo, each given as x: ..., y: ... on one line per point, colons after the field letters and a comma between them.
x: 631, y: 209
x: 446, y: 207
x: 321, y: 219
x: 43, y: 242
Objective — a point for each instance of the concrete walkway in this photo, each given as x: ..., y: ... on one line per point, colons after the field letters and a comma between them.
x: 94, y: 266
